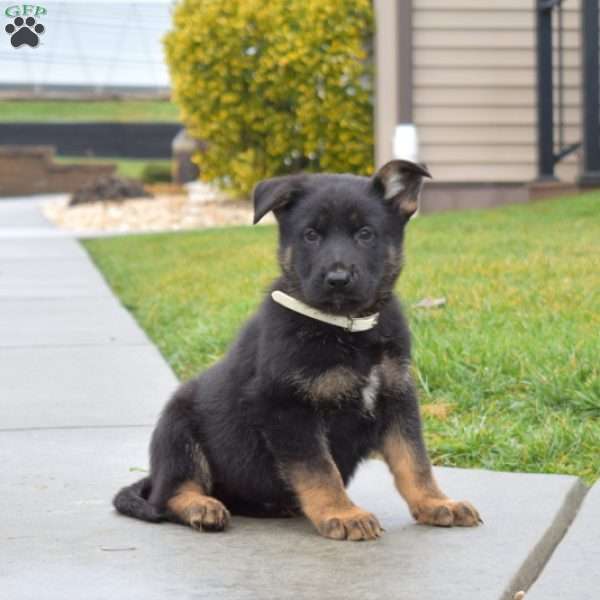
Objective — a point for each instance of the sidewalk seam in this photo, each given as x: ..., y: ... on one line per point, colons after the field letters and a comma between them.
x: 539, y: 556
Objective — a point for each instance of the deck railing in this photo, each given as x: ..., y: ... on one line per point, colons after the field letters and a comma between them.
x: 551, y: 105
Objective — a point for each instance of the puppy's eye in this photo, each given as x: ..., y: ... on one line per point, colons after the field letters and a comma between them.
x: 365, y: 234
x: 311, y: 235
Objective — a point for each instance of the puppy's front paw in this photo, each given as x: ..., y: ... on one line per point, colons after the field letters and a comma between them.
x: 446, y: 513
x: 354, y: 524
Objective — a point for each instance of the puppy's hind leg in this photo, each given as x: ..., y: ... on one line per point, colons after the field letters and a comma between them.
x: 192, y: 506
x: 181, y: 474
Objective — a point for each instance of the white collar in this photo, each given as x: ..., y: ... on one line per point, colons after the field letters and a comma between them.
x: 351, y: 324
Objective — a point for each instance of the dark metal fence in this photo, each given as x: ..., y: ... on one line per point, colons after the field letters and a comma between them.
x: 550, y: 117
x: 125, y: 140
x: 591, y: 98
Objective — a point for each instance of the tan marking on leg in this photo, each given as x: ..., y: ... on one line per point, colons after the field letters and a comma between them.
x: 412, y: 480
x: 193, y: 507
x: 416, y: 484
x: 324, y: 501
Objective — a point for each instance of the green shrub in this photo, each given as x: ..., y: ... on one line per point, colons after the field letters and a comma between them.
x: 274, y: 87
x: 156, y: 173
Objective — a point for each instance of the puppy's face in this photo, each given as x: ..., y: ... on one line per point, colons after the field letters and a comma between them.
x: 340, y: 242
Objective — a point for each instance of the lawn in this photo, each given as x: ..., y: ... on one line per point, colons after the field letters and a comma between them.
x: 48, y: 111
x: 126, y: 167
x: 508, y: 371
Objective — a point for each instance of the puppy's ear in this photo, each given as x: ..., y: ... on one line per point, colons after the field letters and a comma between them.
x: 400, y: 183
x: 273, y: 194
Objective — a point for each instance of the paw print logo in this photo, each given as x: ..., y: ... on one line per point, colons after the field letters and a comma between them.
x: 24, y: 31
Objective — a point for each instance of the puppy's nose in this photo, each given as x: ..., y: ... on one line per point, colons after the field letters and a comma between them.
x: 337, y: 279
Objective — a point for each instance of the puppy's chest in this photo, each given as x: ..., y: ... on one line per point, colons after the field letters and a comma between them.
x: 342, y: 387
x: 370, y: 390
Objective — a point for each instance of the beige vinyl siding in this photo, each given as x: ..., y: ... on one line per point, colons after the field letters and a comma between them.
x: 474, y: 96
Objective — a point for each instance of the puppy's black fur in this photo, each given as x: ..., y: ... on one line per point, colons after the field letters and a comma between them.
x: 279, y: 425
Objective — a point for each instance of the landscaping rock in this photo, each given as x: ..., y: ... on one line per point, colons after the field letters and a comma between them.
x: 170, y: 211
x: 109, y: 188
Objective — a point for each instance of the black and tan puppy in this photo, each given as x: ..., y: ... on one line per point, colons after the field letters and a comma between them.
x: 317, y: 380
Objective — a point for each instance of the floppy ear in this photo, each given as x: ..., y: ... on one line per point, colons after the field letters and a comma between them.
x: 400, y: 182
x: 273, y: 194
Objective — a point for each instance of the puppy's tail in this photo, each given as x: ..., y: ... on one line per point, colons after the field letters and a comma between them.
x: 132, y: 501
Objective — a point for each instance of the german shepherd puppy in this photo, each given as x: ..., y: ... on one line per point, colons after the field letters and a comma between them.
x: 316, y: 382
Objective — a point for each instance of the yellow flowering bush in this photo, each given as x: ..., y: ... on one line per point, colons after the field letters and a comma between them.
x: 274, y: 86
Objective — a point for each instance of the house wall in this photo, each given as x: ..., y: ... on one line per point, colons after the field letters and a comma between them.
x: 386, y: 79
x: 474, y: 94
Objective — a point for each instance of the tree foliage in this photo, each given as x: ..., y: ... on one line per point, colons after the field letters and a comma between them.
x: 274, y: 87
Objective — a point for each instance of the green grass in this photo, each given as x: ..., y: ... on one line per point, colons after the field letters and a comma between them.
x: 90, y: 111
x: 126, y: 167
x: 509, y: 370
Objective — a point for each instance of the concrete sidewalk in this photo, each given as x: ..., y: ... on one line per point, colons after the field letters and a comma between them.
x: 81, y: 386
